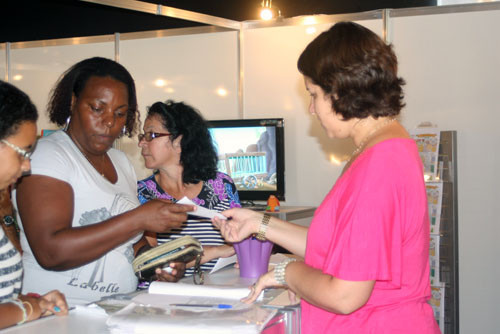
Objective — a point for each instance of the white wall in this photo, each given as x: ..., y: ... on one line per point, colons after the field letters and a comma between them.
x: 451, y: 63
x: 193, y: 67
x: 2, y: 62
x: 40, y: 67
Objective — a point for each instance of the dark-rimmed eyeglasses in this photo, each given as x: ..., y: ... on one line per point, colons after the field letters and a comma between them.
x: 149, y: 136
x: 25, y: 155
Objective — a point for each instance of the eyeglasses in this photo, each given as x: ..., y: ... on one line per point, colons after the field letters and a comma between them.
x: 149, y: 136
x: 22, y: 153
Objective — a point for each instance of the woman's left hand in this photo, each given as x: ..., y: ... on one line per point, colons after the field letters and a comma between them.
x: 265, y: 281
x: 54, y: 302
x: 173, y: 273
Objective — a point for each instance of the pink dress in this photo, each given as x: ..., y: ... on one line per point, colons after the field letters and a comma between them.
x: 373, y: 225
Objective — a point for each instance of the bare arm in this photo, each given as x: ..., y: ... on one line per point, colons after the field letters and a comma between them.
x: 51, y: 303
x: 323, y: 290
x: 244, y: 223
x: 46, y: 208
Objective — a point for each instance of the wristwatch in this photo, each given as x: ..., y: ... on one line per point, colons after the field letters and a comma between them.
x: 8, y: 220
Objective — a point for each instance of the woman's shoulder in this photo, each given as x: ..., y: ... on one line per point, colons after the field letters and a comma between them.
x: 149, y: 179
x: 55, y: 147
x: 392, y: 156
x: 223, y: 177
x: 393, y: 147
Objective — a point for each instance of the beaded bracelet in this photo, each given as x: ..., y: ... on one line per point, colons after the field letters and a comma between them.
x: 280, y: 270
x: 19, y: 304
x: 31, y: 309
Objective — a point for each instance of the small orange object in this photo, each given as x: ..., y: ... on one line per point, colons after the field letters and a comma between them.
x: 273, y: 204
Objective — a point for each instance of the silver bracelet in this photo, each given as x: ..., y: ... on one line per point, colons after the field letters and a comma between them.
x: 280, y: 270
x: 19, y: 304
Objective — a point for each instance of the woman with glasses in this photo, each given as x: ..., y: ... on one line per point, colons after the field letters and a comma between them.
x: 17, y: 139
x: 79, y: 213
x: 366, y: 252
x: 177, y: 144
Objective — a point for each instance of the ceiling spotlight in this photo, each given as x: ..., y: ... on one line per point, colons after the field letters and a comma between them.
x: 267, y: 12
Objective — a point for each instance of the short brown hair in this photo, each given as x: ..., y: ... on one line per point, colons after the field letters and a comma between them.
x: 357, y: 68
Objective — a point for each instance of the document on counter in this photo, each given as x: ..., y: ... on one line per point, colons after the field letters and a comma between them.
x: 200, y: 211
x: 188, y: 308
x: 223, y: 262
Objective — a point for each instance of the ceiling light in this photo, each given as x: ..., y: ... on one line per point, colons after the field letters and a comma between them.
x: 267, y: 11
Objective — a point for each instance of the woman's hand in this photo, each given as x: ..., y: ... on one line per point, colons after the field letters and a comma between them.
x: 265, y: 281
x: 161, y: 215
x: 240, y: 224
x: 53, y: 302
x: 173, y: 273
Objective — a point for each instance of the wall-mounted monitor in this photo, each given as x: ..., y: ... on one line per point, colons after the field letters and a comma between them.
x: 252, y: 152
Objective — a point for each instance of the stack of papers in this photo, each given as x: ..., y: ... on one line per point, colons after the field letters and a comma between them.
x: 158, y: 311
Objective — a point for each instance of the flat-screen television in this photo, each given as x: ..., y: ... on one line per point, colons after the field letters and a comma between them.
x: 252, y: 152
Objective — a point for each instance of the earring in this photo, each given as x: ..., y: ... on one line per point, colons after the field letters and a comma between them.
x: 124, y: 130
x: 66, y: 126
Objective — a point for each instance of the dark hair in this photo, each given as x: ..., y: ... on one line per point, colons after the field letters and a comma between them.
x: 15, y: 109
x: 198, y: 156
x: 357, y: 68
x: 73, y: 81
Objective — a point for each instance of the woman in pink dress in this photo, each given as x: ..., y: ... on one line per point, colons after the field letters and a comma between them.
x: 366, y: 258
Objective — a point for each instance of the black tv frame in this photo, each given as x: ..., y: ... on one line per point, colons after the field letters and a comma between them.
x: 278, y: 123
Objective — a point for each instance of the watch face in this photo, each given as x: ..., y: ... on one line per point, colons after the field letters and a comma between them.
x: 8, y: 220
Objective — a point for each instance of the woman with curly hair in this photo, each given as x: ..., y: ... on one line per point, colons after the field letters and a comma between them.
x: 78, y: 210
x: 366, y: 252
x: 177, y: 144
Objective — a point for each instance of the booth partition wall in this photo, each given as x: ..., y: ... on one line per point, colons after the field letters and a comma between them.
x: 449, y: 57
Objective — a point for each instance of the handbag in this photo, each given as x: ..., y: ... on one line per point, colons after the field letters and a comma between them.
x: 183, y: 249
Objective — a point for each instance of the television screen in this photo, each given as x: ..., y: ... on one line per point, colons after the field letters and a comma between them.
x: 251, y: 151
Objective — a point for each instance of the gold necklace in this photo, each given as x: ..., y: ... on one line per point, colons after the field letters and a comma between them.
x: 86, y: 157
x: 361, y: 145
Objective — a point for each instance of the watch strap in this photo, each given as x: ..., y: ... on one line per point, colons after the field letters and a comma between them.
x: 261, y: 235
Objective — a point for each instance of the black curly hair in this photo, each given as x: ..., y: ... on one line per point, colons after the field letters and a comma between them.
x: 198, y: 156
x: 357, y: 69
x: 73, y: 81
x: 15, y: 109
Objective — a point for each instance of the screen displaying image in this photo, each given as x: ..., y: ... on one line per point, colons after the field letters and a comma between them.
x: 248, y: 155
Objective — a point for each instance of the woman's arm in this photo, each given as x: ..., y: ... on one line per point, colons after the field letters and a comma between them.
x: 46, y: 209
x: 243, y: 223
x: 323, y: 290
x: 10, y: 314
x: 28, y: 308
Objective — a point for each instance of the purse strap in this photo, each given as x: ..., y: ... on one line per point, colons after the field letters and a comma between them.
x: 198, y: 274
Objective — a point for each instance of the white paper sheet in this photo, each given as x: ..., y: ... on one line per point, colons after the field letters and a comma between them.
x: 200, y: 211
x: 191, y: 290
x: 223, y: 262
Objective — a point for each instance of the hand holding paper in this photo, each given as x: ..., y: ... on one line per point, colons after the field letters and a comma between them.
x: 200, y: 211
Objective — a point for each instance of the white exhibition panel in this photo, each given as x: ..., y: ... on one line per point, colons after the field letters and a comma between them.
x: 273, y: 87
x: 451, y: 63
x: 40, y: 68
x: 194, y: 68
x: 3, y: 58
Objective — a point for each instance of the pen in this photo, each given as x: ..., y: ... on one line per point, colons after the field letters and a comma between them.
x: 220, y: 306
